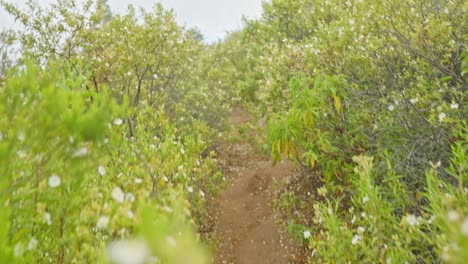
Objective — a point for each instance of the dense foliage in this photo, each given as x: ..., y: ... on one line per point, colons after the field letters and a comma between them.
x: 343, y: 81
x: 107, y: 123
x: 106, y: 131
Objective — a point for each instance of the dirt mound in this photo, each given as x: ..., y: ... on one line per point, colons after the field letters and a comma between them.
x: 246, y: 223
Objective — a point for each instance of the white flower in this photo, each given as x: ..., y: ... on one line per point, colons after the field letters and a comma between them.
x: 18, y: 251
x: 130, y: 214
x: 453, y: 216
x: 118, y: 122
x: 102, y: 222
x: 130, y: 197
x: 391, y: 108
x: 190, y: 189
x: 155, y: 76
x: 138, y: 180
x: 354, y: 219
x: 101, y: 170
x: 128, y: 252
x: 307, y: 234
x: 414, y: 100
x: 54, y: 181
x: 129, y: 73
x: 356, y: 239
x: 442, y: 117
x: 32, y: 243
x: 431, y: 219
x: 363, y: 214
x: 21, y: 154
x: 168, y: 209
x: 411, y: 220
x: 365, y: 199
x: 118, y: 195
x: 48, y: 218
x: 171, y: 241
x: 21, y: 136
x: 81, y: 152
x: 182, y: 150
x: 165, y: 179
x: 464, y: 227
x: 454, y: 106
x: 202, y: 194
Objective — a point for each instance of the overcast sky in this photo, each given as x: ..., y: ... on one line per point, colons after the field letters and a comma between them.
x: 213, y: 17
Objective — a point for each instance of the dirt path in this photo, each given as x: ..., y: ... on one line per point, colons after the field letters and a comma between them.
x: 246, y: 223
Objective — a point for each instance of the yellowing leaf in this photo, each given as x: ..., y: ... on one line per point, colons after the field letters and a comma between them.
x: 312, y: 162
x: 337, y: 101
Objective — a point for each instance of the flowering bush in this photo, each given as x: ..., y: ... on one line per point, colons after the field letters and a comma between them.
x: 380, y: 226
x: 106, y: 127
x: 381, y: 79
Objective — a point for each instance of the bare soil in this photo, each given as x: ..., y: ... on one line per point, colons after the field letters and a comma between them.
x: 246, y: 223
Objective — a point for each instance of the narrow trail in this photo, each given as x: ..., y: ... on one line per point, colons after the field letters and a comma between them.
x: 246, y: 223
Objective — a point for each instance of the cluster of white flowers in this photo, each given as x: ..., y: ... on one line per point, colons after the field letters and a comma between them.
x: 412, y: 220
